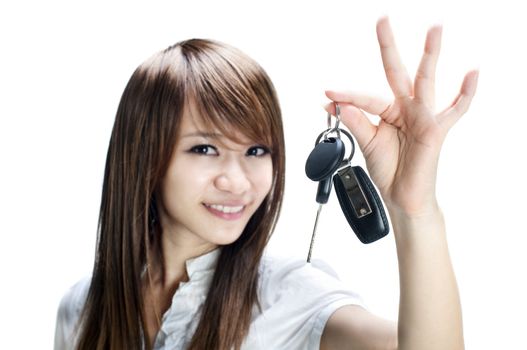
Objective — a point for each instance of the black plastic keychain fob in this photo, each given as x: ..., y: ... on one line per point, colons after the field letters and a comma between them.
x: 361, y: 204
x: 357, y: 196
x: 322, y: 163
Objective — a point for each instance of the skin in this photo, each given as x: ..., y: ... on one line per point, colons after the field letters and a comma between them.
x: 206, y: 168
x: 402, y: 154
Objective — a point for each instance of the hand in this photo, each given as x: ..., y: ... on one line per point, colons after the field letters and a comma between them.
x: 402, y: 151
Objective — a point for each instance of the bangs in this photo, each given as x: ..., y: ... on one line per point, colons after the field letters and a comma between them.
x: 231, y: 93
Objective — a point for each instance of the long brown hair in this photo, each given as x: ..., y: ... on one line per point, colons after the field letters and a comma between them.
x: 232, y: 93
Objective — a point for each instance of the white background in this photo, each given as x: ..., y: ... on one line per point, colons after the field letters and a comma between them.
x: 64, y: 66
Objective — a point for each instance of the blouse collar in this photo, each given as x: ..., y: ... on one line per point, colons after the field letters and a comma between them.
x: 202, y: 263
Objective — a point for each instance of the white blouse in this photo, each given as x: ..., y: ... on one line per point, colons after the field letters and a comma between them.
x: 297, y: 298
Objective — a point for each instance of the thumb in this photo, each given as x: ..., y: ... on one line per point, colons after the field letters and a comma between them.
x: 356, y: 121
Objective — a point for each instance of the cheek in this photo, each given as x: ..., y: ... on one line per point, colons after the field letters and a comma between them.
x: 263, y: 175
x: 183, y: 185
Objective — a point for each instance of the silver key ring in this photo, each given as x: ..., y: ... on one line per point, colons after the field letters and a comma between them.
x: 325, y: 134
x: 336, y: 127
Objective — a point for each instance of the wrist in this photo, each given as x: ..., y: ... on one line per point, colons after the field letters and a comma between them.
x: 426, y: 210
x: 427, y: 224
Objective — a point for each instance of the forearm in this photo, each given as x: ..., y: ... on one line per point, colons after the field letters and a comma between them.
x: 429, y: 309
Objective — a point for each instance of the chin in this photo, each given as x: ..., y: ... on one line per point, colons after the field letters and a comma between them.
x: 226, y: 237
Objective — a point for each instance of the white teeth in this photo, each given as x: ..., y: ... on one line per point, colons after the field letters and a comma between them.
x: 225, y: 209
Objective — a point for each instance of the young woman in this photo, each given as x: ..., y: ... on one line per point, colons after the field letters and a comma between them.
x: 192, y: 190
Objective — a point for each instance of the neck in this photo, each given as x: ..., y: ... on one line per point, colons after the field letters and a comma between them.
x: 177, y: 249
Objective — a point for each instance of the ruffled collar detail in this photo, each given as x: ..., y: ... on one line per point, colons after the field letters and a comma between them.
x: 181, y: 319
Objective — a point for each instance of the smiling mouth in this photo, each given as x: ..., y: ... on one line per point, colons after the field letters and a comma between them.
x: 225, y: 209
x: 226, y: 212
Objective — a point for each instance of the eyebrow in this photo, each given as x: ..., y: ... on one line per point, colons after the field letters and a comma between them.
x: 213, y: 135
x: 203, y: 134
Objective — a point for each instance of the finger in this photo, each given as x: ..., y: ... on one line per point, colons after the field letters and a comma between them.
x: 424, y: 86
x: 462, y: 102
x: 356, y: 121
x: 396, y: 73
x: 370, y: 104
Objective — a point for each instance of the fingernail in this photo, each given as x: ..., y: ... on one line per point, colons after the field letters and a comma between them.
x: 476, y: 73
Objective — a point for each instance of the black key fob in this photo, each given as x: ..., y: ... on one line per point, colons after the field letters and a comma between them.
x: 322, y: 163
x: 361, y: 204
x: 325, y: 159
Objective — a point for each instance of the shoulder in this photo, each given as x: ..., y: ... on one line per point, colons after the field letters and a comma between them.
x: 296, y: 300
x: 73, y: 300
x: 316, y: 282
x: 70, y: 309
x: 276, y: 266
x: 282, y: 272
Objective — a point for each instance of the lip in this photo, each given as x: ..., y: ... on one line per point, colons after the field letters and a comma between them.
x: 226, y: 216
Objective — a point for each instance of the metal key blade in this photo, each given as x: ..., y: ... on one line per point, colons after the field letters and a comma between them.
x: 314, y: 233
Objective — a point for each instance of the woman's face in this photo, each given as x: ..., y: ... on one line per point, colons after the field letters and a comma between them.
x: 213, y: 185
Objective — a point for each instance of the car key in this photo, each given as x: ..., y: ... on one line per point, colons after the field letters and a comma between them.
x: 361, y: 204
x: 358, y: 198
x: 322, y: 163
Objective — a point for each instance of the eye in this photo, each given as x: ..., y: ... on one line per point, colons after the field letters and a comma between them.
x: 257, y: 151
x: 207, y: 150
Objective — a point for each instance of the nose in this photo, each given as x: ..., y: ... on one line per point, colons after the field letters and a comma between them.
x: 233, y: 178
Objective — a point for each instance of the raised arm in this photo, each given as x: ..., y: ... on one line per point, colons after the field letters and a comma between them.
x: 402, y: 154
